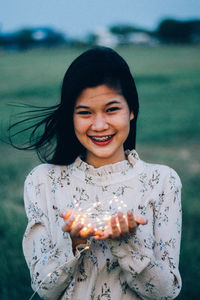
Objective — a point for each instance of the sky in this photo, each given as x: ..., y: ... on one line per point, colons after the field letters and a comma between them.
x: 79, y: 17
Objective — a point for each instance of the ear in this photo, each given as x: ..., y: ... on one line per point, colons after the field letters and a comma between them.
x: 131, y: 116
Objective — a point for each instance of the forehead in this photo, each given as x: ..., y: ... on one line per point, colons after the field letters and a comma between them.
x: 99, y: 94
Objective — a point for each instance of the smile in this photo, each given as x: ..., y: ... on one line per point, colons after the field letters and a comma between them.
x: 101, y: 140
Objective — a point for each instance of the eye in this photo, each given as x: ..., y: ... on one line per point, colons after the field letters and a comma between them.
x: 112, y: 109
x: 83, y: 112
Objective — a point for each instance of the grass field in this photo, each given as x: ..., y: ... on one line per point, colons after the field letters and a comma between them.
x: 168, y: 81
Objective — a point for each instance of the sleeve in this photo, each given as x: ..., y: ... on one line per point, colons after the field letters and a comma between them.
x: 52, y: 265
x: 152, y: 271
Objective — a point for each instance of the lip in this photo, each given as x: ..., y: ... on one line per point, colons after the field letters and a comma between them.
x: 101, y: 143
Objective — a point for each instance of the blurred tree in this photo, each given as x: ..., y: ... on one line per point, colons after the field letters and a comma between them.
x: 122, y: 29
x: 1, y: 40
x: 47, y: 37
x: 31, y: 38
x: 123, y: 32
x: 24, y: 38
x: 175, y: 31
x: 194, y: 26
x: 92, y: 38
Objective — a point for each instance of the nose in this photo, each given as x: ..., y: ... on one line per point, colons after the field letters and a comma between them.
x: 99, y: 123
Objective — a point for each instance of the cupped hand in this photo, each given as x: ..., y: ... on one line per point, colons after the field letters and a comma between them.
x: 74, y: 226
x: 78, y: 233
x: 121, y: 226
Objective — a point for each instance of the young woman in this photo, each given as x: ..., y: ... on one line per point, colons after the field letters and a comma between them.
x: 93, y: 172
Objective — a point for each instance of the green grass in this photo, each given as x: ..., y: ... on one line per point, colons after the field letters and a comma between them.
x: 168, y: 82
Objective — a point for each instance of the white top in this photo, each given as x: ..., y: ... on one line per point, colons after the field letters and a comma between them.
x: 143, y: 266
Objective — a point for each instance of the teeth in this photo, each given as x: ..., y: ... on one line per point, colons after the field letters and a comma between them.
x: 101, y: 139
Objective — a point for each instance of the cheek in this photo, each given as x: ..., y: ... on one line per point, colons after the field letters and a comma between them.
x: 76, y: 124
x: 80, y: 126
x: 123, y: 121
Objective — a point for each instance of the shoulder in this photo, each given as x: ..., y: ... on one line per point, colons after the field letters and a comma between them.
x: 44, y: 172
x: 165, y: 174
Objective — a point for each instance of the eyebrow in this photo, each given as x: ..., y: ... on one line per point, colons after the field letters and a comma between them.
x: 107, y: 104
x: 113, y: 102
x: 81, y: 106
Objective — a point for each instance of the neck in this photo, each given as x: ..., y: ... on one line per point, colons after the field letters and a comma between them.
x: 97, y: 162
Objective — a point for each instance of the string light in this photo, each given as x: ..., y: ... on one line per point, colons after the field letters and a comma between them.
x: 92, y: 216
x: 98, y: 216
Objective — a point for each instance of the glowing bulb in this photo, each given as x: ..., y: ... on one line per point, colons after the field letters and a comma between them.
x: 82, y: 220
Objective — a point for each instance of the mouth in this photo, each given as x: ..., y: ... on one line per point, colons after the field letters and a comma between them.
x: 102, y: 140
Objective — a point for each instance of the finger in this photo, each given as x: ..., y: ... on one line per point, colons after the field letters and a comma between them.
x: 86, y: 232
x: 122, y: 223
x: 65, y: 215
x: 68, y: 224
x: 75, y: 231
x: 114, y: 228
x: 102, y: 237
x: 140, y: 220
x: 98, y: 232
x: 103, y: 234
x: 132, y: 225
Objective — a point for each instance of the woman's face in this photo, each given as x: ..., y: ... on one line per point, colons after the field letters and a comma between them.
x: 101, y: 122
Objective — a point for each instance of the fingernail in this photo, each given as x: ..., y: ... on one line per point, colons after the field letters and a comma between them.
x: 71, y: 218
x: 66, y: 215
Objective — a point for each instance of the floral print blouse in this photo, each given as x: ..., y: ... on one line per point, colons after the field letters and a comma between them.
x: 142, y: 266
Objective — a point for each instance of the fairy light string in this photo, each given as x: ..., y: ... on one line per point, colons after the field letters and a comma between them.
x: 94, y: 216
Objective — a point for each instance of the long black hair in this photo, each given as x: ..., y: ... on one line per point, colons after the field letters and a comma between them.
x: 57, y: 143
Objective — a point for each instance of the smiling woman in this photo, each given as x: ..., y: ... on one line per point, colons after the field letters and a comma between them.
x: 102, y: 123
x: 101, y: 222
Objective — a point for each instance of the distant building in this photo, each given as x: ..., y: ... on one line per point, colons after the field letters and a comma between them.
x: 142, y: 38
x: 103, y: 37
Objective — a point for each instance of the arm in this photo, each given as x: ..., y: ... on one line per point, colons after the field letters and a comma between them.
x: 52, y: 265
x: 152, y: 271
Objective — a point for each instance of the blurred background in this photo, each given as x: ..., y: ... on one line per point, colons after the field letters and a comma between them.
x: 160, y: 40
